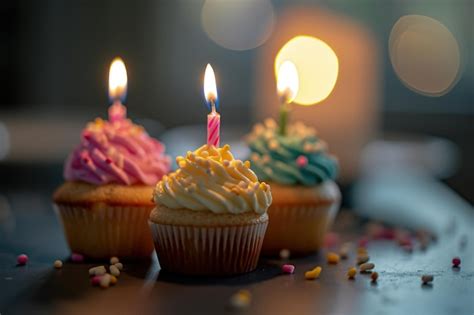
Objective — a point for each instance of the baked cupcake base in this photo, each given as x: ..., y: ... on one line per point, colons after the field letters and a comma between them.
x: 300, y: 217
x: 104, y: 221
x: 204, y: 243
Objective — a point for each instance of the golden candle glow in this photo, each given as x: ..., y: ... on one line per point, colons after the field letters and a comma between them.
x: 287, y: 82
x: 210, y: 89
x: 318, y: 67
x: 117, y: 80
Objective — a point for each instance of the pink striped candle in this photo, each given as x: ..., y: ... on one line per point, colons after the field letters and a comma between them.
x: 213, y: 119
x: 117, y: 112
x: 213, y: 127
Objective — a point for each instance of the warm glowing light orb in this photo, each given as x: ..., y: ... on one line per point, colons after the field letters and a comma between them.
x: 117, y: 79
x: 425, y: 55
x: 317, y: 66
x: 238, y: 24
x: 287, y: 81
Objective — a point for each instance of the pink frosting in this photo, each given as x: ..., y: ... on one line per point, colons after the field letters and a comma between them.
x: 117, y: 152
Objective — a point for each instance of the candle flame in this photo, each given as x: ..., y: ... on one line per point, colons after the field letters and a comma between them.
x: 210, y: 89
x: 287, y: 81
x: 117, y: 80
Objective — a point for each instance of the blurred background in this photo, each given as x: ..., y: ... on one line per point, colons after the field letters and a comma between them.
x: 391, y: 82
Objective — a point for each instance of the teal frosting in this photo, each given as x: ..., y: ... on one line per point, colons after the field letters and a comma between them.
x: 297, y: 158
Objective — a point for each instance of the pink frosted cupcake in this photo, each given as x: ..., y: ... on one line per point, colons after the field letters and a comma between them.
x: 107, y: 197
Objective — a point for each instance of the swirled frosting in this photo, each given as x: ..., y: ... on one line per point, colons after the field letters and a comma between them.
x: 297, y: 158
x: 117, y: 152
x: 211, y: 179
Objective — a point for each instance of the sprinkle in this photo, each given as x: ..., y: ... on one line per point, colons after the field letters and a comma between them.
x: 270, y: 123
x: 301, y: 161
x: 258, y: 128
x: 22, y: 259
x: 362, y: 251
x: 97, y: 271
x: 206, y: 163
x: 243, y: 184
x: 119, y: 266
x: 77, y: 258
x: 331, y: 239
x: 241, y: 299
x: 363, y: 242
x: 308, y: 147
x: 113, y: 280
x: 313, y: 274
x: 95, y: 280
x: 426, y: 279
x: 114, y: 260
x: 351, y: 273
x: 285, y: 253
x: 332, y: 258
x: 344, y: 250
x: 273, y: 145
x: 456, y: 262
x: 366, y: 267
x: 362, y: 259
x: 405, y: 241
x: 58, y: 264
x: 287, y: 268
x: 374, y: 276
x: 108, y: 160
x: 105, y: 281
x: 114, y: 270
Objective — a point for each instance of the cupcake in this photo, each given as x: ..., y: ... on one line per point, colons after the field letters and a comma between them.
x: 106, y: 200
x: 301, y: 174
x: 210, y: 216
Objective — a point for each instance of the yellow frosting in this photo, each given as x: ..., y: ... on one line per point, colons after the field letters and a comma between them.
x: 211, y: 179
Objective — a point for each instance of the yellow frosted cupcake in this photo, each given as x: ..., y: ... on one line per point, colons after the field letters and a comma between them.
x: 106, y: 200
x: 301, y: 174
x: 210, y: 216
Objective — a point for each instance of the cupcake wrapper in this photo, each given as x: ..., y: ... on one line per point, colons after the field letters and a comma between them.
x: 103, y: 231
x: 196, y: 250
x: 298, y: 228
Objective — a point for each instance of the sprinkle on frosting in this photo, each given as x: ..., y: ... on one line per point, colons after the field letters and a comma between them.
x: 211, y: 179
x: 299, y: 157
x: 117, y: 152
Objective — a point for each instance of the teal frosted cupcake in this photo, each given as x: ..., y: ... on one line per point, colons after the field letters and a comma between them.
x: 301, y: 173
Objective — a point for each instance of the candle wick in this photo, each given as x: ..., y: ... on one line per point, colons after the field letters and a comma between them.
x: 213, y: 106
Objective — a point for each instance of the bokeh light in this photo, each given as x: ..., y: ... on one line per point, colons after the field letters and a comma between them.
x: 237, y: 24
x: 424, y: 54
x: 317, y: 66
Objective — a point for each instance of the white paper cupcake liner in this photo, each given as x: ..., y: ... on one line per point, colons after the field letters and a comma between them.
x: 103, y: 231
x: 219, y: 250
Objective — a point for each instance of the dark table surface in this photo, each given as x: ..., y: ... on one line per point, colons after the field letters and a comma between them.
x: 28, y: 225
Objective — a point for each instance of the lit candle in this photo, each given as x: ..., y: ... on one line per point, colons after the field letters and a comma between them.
x: 213, y: 118
x: 287, y: 88
x: 117, y: 90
